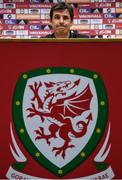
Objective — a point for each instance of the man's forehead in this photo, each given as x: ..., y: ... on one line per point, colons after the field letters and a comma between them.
x: 61, y: 12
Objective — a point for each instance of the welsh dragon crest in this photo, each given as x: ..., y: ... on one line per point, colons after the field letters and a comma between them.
x: 60, y: 104
x: 60, y: 116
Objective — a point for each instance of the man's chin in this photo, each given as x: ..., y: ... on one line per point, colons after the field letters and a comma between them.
x: 61, y: 31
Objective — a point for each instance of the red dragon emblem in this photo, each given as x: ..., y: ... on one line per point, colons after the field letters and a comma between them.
x: 60, y: 105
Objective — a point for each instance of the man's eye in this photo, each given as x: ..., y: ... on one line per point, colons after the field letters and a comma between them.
x: 65, y: 17
x: 56, y: 17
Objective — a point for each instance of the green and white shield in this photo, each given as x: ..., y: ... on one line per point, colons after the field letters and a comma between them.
x: 60, y: 115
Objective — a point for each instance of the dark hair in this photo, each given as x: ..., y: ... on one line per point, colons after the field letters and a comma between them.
x: 62, y: 6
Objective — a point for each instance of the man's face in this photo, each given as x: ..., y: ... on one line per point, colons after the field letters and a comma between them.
x: 61, y: 22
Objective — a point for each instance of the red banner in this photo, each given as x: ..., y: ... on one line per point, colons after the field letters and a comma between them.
x: 21, y: 57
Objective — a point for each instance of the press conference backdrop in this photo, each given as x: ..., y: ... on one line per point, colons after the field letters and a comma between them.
x: 28, y: 19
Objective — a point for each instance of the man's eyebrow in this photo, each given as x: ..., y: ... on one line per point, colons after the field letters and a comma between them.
x: 65, y: 16
x: 56, y: 15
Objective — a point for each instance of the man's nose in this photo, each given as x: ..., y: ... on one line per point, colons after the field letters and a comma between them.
x: 61, y: 20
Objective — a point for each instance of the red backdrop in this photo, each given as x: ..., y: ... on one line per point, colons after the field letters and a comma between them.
x: 104, y: 58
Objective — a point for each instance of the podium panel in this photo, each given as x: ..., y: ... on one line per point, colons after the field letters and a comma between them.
x: 17, y: 58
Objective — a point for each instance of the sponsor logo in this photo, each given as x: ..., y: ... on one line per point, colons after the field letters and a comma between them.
x: 22, y: 11
x: 35, y: 27
x: 108, y: 10
x: 119, y: 36
x: 83, y: 21
x: 22, y: 36
x: 96, y: 10
x: 16, y: 27
x: 9, y: 5
x: 39, y: 5
x: 45, y: 11
x: 85, y: 5
x: 109, y: 15
x: 78, y: 1
x: 119, y: 15
x: 96, y: 26
x: 84, y: 10
x: 119, y: 26
x: 9, y: 32
x: 39, y: 32
x: 118, y: 10
x: 109, y: 36
x: 96, y: 21
x: 35, y: 1
x: 22, y: 32
x: 118, y: 4
x: 109, y: 0
x: 104, y: 5
x: 27, y: 16
x: 106, y: 32
x: 10, y: 21
x: 4, y: 11
x: 90, y: 16
x: 16, y: 1
x: 34, y: 11
x: 22, y: 21
x: 1, y: 5
x: 96, y: 0
x: 34, y: 22
x: 119, y: 31
x: 9, y: 16
x: 34, y: 37
x: 108, y: 26
x: 45, y: 16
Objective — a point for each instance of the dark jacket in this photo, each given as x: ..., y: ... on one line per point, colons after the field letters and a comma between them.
x: 73, y: 34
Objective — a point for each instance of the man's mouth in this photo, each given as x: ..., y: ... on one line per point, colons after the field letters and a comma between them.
x: 62, y: 27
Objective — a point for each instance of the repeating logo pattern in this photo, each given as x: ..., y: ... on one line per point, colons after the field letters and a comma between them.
x: 30, y: 19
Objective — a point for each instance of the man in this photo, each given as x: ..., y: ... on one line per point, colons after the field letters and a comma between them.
x: 61, y: 17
